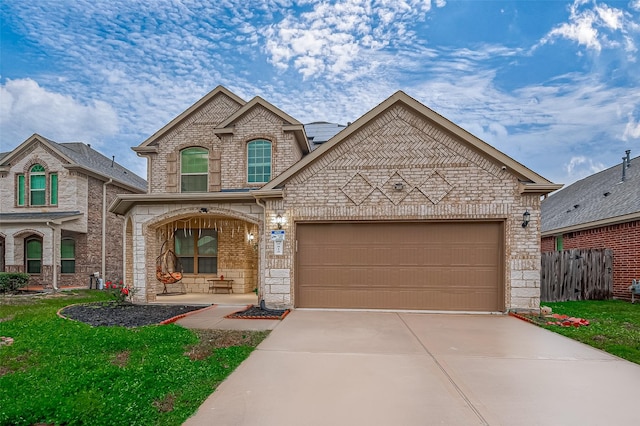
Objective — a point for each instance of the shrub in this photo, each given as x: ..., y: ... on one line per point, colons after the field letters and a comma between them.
x: 10, y: 282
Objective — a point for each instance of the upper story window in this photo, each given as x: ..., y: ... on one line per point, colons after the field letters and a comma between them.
x: 259, y: 161
x: 34, y: 189
x: 194, y: 170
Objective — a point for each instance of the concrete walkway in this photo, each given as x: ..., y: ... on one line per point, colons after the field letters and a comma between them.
x: 366, y: 368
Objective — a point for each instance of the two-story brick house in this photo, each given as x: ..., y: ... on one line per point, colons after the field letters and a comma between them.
x: 54, y: 222
x: 401, y: 209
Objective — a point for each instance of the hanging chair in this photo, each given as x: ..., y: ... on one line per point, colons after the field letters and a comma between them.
x: 168, y: 267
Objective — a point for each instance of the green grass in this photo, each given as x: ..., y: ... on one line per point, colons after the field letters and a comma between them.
x: 614, y: 325
x: 65, y: 372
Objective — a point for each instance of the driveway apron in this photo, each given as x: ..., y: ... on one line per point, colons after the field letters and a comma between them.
x: 384, y: 368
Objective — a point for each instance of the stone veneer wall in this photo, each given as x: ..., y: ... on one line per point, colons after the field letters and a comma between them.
x: 147, y: 222
x: 444, y: 180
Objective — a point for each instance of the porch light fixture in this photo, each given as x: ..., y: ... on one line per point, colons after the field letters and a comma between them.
x: 250, y: 237
x: 204, y: 210
x: 279, y: 221
x: 526, y: 216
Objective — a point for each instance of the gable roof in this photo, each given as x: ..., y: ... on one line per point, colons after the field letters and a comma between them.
x: 597, y: 200
x: 82, y: 157
x: 291, y: 124
x: 193, y: 108
x: 531, y: 182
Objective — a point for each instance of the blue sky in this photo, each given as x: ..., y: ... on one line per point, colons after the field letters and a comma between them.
x: 554, y: 84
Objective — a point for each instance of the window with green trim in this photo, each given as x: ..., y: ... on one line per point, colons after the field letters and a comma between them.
x: 67, y: 256
x: 21, y: 190
x: 53, y: 185
x: 37, y: 186
x: 194, y: 170
x: 559, y: 243
x: 197, y: 250
x: 33, y: 256
x: 259, y: 161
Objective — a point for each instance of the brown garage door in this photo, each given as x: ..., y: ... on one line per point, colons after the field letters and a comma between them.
x: 400, y: 265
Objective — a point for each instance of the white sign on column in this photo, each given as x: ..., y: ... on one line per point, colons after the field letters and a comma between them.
x: 278, y: 247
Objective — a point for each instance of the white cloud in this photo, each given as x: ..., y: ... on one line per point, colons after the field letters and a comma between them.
x: 580, y: 167
x: 632, y: 129
x: 27, y: 108
x: 596, y: 26
x: 334, y: 39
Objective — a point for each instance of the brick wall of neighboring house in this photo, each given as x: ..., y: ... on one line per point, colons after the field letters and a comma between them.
x: 621, y: 238
x: 446, y: 180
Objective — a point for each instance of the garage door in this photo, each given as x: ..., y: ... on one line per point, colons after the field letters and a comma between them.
x: 416, y: 265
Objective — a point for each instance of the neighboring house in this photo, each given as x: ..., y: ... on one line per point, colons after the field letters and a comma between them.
x: 401, y: 209
x: 54, y: 222
x: 599, y: 211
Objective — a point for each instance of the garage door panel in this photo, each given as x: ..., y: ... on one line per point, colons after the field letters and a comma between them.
x: 441, y: 266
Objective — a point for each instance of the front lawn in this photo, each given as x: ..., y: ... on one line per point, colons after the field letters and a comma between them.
x: 58, y: 371
x: 614, y: 325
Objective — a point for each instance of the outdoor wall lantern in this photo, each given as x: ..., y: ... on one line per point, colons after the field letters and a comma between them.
x: 204, y: 210
x: 279, y: 221
x: 250, y: 237
x: 526, y: 216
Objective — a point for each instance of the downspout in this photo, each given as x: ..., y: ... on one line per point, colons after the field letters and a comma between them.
x: 54, y: 262
x: 262, y: 252
x: 104, y: 227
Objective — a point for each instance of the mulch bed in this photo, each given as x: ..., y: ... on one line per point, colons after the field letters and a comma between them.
x: 256, y: 312
x: 126, y: 314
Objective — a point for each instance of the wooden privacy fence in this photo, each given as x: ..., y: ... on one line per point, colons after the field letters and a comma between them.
x: 578, y: 274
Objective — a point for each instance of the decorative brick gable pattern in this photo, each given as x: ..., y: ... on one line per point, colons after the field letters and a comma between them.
x: 441, y: 178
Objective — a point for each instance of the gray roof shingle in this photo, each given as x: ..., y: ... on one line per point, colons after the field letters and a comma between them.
x: 597, y: 197
x: 84, y: 155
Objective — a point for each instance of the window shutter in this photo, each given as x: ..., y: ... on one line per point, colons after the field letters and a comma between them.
x: 21, y: 190
x: 215, y: 182
x: 172, y: 172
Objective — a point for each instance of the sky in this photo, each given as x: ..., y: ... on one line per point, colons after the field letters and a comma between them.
x: 553, y: 84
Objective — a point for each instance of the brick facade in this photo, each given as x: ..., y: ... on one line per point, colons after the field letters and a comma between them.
x: 444, y: 180
x: 151, y: 224
x: 444, y: 177
x: 621, y: 238
x: 77, y: 192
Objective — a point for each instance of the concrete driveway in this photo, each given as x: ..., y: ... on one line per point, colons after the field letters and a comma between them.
x: 367, y: 368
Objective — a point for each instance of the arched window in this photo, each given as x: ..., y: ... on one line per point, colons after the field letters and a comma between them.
x: 259, y: 161
x: 33, y: 255
x: 37, y: 186
x: 194, y: 170
x: 33, y: 187
x: 67, y: 256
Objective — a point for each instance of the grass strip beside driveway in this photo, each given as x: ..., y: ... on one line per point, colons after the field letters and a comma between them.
x: 65, y: 372
x: 614, y: 325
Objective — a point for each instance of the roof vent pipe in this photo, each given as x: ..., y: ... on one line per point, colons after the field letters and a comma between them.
x: 113, y: 160
x: 628, y: 152
x: 624, y: 168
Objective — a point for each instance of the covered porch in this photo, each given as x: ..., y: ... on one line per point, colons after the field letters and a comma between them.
x: 200, y: 252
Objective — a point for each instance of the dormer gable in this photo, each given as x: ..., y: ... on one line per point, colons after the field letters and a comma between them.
x: 213, y: 108
x: 289, y: 124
